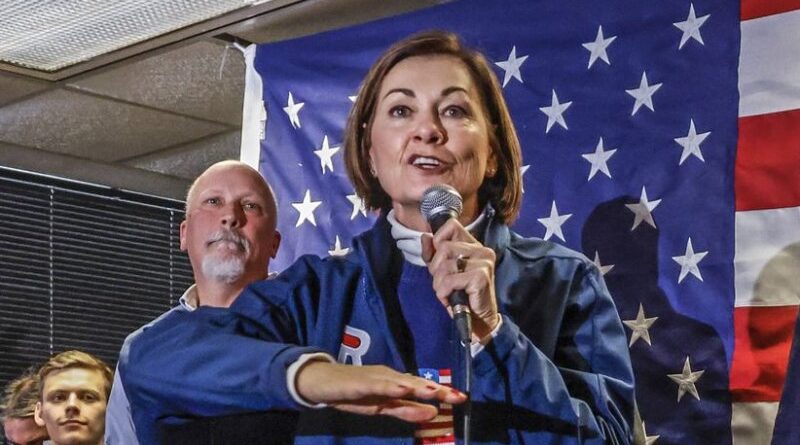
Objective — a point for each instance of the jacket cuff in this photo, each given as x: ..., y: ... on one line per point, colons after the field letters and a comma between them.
x: 294, y: 369
x: 477, y: 346
x: 277, y: 370
x: 503, y: 342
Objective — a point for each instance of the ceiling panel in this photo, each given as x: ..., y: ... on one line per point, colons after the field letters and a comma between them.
x: 96, y: 128
x: 202, y: 80
x: 83, y: 170
x: 48, y: 35
x: 314, y: 16
x: 189, y: 161
x: 13, y: 87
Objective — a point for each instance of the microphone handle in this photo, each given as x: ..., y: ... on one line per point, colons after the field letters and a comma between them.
x: 462, y: 316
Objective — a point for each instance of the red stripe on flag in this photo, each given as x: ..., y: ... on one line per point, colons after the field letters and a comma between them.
x: 763, y: 337
x: 752, y: 9
x: 437, y: 440
x: 768, y: 161
x: 436, y: 425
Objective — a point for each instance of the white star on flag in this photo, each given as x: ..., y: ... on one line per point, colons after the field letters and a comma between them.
x: 325, y: 155
x: 688, y: 262
x: 642, y: 210
x: 640, y: 327
x: 358, y: 206
x: 691, y: 143
x: 293, y: 111
x: 691, y: 27
x: 553, y: 223
x: 306, y: 209
x: 648, y: 440
x: 353, y: 98
x: 522, y: 171
x: 643, y: 94
x: 511, y: 66
x: 686, y: 380
x: 597, y: 49
x: 555, y: 112
x: 603, y: 269
x: 337, y: 248
x: 599, y: 160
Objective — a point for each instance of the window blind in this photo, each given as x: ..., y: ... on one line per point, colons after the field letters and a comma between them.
x: 81, y: 267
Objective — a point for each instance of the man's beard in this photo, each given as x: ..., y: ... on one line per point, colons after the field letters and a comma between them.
x: 226, y: 266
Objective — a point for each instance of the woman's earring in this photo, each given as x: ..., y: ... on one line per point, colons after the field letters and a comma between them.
x: 372, y: 171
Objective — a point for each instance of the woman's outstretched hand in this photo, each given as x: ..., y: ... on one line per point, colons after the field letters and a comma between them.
x: 372, y: 390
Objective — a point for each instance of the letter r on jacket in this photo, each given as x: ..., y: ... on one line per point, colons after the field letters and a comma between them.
x: 355, y: 344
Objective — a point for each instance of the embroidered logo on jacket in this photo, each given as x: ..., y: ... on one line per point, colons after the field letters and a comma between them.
x: 355, y: 343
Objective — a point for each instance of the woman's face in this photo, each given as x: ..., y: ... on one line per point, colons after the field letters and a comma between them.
x: 429, y: 128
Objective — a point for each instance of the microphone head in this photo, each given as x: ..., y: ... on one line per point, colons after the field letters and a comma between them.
x: 439, y: 202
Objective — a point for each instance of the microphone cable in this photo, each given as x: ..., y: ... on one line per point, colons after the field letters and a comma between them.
x: 462, y: 318
x: 467, y: 352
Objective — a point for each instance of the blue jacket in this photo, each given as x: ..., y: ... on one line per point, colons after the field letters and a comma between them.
x: 558, y: 371
x: 179, y: 370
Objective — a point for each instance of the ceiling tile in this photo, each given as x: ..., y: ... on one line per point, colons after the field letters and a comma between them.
x: 186, y: 80
x: 13, y: 87
x: 51, y: 35
x: 311, y: 17
x: 83, y: 170
x: 91, y: 127
x: 189, y: 161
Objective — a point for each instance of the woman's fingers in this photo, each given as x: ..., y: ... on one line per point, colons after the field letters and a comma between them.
x: 452, y: 230
x: 383, y: 391
x: 427, y: 247
x: 407, y: 410
x: 373, y: 390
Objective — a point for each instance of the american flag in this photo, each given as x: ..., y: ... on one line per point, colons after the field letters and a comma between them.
x: 651, y: 143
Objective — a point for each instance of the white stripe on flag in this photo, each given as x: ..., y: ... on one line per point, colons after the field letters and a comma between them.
x: 748, y: 421
x: 254, y: 114
x: 434, y: 432
x: 766, y: 271
x: 769, y: 66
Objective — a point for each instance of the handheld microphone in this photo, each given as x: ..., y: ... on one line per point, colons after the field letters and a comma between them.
x: 439, y: 204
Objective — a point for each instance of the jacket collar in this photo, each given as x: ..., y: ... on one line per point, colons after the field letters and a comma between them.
x: 496, y: 234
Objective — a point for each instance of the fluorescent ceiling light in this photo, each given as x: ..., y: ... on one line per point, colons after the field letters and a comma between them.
x: 49, y: 35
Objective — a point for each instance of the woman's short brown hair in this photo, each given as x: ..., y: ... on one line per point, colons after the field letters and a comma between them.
x: 503, y: 190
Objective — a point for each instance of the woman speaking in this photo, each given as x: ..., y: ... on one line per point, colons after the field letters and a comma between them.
x: 549, y: 357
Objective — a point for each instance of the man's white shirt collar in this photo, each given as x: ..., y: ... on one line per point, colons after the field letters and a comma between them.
x: 189, y: 299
